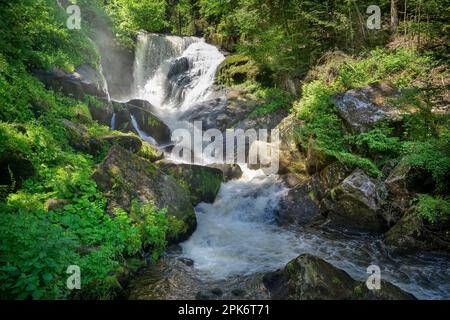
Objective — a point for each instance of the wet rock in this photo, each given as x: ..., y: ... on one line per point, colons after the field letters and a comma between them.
x: 101, y: 111
x: 412, y: 234
x: 293, y: 180
x: 230, y: 171
x: 357, y: 203
x: 187, y: 261
x: 202, y: 183
x: 291, y: 157
x: 146, y: 120
x: 310, y: 278
x: 142, y: 104
x: 298, y: 207
x: 361, y: 109
x: 124, y: 176
x: 152, y: 125
x: 217, y: 292
x: 238, y: 292
x: 86, y: 80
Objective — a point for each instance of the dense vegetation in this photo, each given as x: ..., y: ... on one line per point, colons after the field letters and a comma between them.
x: 283, y: 40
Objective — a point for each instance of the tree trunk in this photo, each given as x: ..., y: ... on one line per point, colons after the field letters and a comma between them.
x: 394, y: 17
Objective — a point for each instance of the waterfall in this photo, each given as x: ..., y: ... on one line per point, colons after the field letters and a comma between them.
x: 152, y: 50
x: 238, y: 234
x: 104, y: 82
x: 174, y: 73
x: 113, y: 121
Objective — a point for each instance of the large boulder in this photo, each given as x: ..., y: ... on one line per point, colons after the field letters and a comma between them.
x: 124, y: 176
x: 404, y: 181
x: 323, y: 182
x: 101, y: 110
x: 310, y: 278
x: 291, y: 157
x: 79, y: 138
x: 147, y: 122
x: 129, y: 142
x: 358, y: 202
x: 362, y: 108
x: 412, y: 233
x: 203, y: 183
x: 298, y: 207
x: 85, y: 81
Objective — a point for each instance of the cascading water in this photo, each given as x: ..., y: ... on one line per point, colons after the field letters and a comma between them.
x: 237, y: 234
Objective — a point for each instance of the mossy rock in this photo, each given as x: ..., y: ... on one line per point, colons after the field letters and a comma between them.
x: 237, y: 69
x: 308, y: 277
x: 203, y: 183
x: 124, y: 176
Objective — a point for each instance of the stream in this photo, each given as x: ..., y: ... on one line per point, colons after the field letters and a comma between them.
x: 237, y: 235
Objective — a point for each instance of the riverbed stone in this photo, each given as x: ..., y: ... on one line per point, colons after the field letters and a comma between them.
x: 308, y: 277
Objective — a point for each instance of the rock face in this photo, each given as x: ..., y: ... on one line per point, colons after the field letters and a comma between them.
x: 362, y: 108
x: 203, y: 183
x: 116, y: 59
x: 412, y: 233
x: 310, y: 278
x: 357, y: 203
x: 86, y: 80
x: 124, y: 176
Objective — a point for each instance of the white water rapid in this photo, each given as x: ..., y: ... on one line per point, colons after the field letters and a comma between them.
x: 238, y: 234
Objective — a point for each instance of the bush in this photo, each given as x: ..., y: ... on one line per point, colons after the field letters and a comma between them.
x: 432, y: 209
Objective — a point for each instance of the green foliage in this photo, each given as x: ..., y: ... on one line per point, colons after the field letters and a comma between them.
x: 46, y: 249
x: 432, y: 209
x: 34, y: 33
x: 377, y: 141
x: 433, y: 155
x: 274, y: 99
x: 131, y: 16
